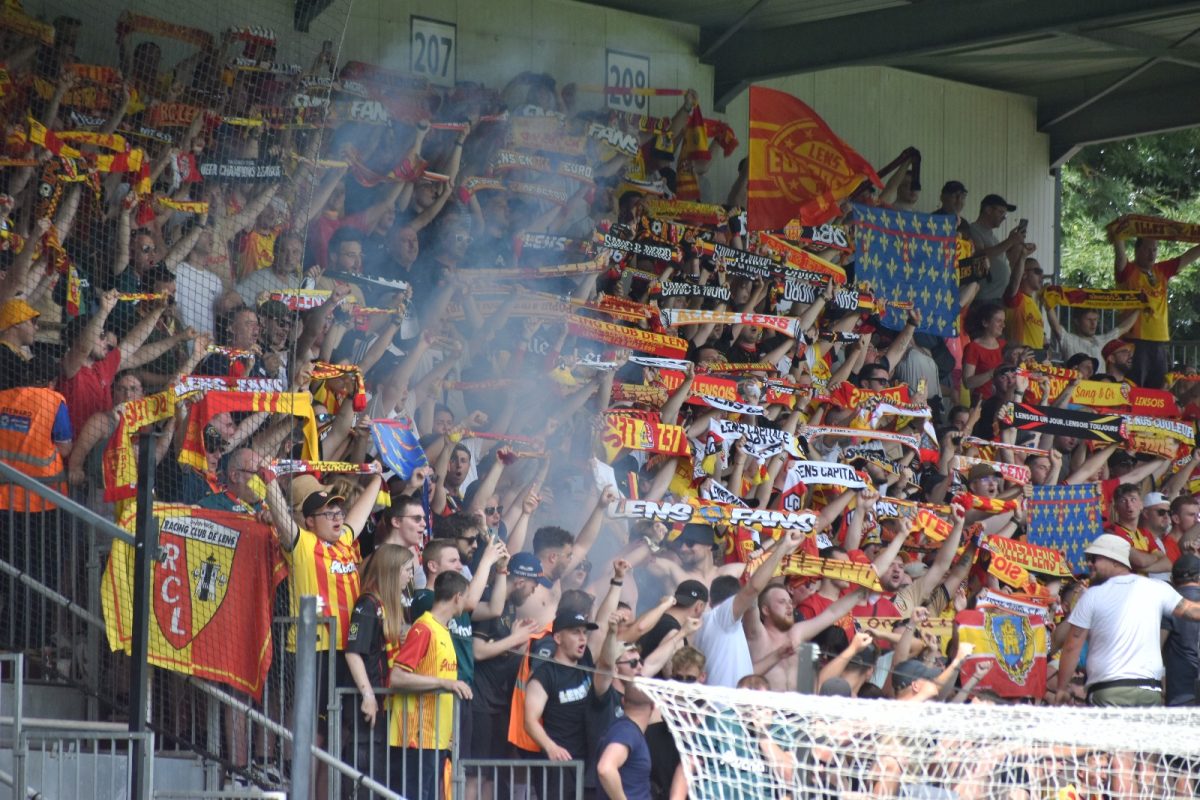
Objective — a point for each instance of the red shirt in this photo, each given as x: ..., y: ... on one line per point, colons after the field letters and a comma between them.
x: 815, y: 604
x: 90, y: 390
x: 984, y: 359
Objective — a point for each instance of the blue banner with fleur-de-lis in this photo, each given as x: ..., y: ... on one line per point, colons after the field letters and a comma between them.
x: 1066, y: 518
x: 910, y: 257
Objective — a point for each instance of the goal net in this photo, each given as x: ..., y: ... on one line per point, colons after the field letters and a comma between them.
x: 751, y: 744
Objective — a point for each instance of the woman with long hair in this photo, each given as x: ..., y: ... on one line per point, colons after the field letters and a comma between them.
x: 377, y: 625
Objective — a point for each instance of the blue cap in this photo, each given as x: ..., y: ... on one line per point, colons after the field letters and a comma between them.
x: 525, y: 565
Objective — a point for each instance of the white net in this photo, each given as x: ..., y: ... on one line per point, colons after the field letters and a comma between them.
x: 743, y: 744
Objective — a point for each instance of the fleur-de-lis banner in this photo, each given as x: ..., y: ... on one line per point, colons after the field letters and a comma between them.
x: 910, y: 257
x: 1066, y: 518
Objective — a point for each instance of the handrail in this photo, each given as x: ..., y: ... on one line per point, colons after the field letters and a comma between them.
x: 74, y: 508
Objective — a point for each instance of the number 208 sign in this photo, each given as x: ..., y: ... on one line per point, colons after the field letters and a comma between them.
x: 626, y: 71
x: 433, y: 50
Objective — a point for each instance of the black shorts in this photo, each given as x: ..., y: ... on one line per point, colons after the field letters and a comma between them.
x: 489, y: 733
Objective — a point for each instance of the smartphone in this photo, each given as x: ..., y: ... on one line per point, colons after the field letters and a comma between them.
x: 1023, y: 224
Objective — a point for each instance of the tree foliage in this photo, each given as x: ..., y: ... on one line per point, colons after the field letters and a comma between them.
x: 1157, y: 175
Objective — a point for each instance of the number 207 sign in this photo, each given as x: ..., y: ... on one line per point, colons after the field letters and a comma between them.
x: 433, y: 50
x: 626, y: 71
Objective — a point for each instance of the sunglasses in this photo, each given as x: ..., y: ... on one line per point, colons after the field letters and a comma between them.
x: 632, y: 663
x: 1162, y: 512
x: 493, y: 510
x: 323, y: 417
x: 687, y: 679
x: 148, y: 248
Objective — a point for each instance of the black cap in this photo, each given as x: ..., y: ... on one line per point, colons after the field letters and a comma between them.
x: 318, y: 500
x: 836, y: 687
x: 1185, y: 569
x: 996, y: 200
x: 566, y: 620
x: 1004, y: 369
x: 690, y: 592
x: 906, y: 672
x: 953, y: 187
x: 696, y: 533
x: 1074, y: 361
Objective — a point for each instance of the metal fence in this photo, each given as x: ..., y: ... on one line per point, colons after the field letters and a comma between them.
x: 76, y: 763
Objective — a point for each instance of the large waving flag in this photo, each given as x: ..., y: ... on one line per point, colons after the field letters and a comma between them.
x: 1065, y: 518
x: 1015, y: 644
x: 396, y: 441
x: 799, y: 168
x: 910, y: 257
x: 212, y: 590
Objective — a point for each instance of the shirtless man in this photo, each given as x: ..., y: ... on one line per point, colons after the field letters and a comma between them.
x: 774, y: 634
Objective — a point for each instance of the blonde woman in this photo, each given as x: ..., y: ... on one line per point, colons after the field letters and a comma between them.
x: 377, y: 626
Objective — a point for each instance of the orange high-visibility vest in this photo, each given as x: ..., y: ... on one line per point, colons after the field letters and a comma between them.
x: 27, y: 417
x: 516, y: 716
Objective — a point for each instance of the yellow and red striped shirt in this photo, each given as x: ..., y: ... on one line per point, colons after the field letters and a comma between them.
x: 330, y: 572
x: 424, y: 720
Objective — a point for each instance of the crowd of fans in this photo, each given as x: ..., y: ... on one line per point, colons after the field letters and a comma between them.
x: 493, y: 573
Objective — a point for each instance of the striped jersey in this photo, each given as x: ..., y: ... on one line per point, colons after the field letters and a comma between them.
x: 328, y: 570
x: 424, y: 720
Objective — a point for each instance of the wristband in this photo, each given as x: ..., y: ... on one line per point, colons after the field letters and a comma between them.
x: 615, y: 582
x: 501, y: 572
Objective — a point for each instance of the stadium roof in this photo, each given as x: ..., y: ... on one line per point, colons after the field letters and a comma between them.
x: 1099, y: 69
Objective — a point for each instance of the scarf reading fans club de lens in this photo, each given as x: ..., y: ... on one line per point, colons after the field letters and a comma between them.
x: 1112, y: 299
x: 298, y: 404
x: 1140, y: 226
x: 659, y: 344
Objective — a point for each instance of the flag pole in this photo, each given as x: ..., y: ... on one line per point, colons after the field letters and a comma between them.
x: 145, y: 554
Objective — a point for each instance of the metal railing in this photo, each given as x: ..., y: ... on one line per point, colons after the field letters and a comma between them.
x: 499, y: 779
x: 77, y: 763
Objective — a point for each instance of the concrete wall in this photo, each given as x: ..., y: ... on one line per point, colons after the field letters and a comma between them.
x: 986, y: 139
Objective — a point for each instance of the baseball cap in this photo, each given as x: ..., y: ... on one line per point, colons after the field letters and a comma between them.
x: 1185, y: 568
x: 303, y: 486
x: 696, y: 533
x: 1004, y: 369
x: 1114, y: 346
x: 276, y: 310
x: 916, y: 569
x: 318, y: 500
x: 953, y: 187
x: 16, y: 311
x: 1111, y: 546
x: 690, y: 592
x: 1155, y: 499
x: 566, y: 620
x: 525, y: 565
x: 1077, y: 359
x: 981, y: 471
x: 907, y: 672
x: 996, y: 200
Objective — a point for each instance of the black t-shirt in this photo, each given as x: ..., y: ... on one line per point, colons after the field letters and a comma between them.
x: 569, y: 695
x: 664, y: 758
x: 604, y: 710
x: 653, y: 638
x: 366, y: 638
x: 1180, y: 654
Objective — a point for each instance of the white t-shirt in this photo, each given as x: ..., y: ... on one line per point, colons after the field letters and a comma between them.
x: 1122, y: 617
x: 1072, y: 343
x: 723, y: 642
x: 196, y: 292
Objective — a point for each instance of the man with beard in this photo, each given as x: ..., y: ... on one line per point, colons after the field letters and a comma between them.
x: 1118, y: 616
x: 496, y: 663
x: 723, y: 637
x: 694, y: 549
x: 774, y: 634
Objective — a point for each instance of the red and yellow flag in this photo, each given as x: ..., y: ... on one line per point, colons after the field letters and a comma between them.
x: 211, y: 595
x: 799, y: 168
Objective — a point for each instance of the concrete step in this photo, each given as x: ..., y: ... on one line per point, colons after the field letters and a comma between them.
x: 72, y: 770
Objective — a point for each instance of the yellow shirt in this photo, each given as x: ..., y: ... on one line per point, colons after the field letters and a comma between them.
x: 1152, y: 324
x: 424, y: 720
x: 1024, y: 322
x: 330, y: 572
